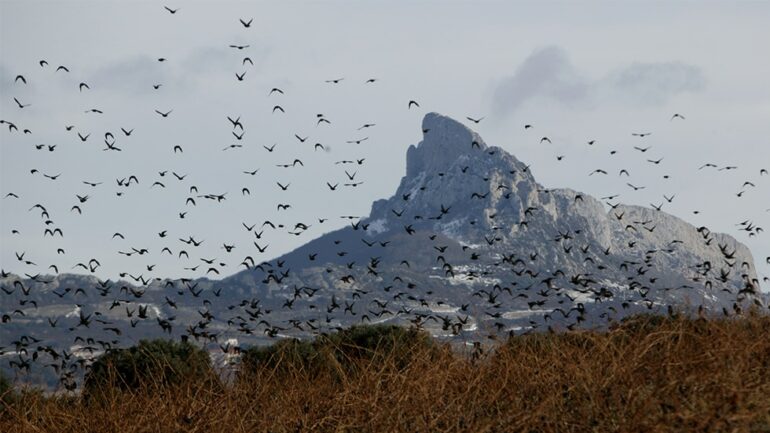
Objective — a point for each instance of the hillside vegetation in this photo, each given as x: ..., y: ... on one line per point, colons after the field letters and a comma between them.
x: 648, y: 374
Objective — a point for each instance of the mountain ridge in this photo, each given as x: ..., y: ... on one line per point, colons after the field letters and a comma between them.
x: 451, y: 147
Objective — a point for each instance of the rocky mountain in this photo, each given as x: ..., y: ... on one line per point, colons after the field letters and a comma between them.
x: 470, y: 244
x: 468, y: 217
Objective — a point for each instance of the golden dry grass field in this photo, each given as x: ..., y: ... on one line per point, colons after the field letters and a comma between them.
x: 646, y: 375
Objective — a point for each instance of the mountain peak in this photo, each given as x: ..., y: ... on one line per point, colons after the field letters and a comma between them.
x: 444, y: 141
x: 485, y: 199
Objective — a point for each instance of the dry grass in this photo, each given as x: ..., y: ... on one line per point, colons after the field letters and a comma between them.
x: 649, y: 375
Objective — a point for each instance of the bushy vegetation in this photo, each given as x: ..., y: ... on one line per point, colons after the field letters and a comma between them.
x: 343, y: 350
x: 647, y: 374
x: 149, y: 363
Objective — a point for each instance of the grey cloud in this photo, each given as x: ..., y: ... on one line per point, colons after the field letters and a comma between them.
x: 655, y: 83
x: 212, y: 59
x: 135, y: 75
x: 546, y: 72
x: 549, y: 73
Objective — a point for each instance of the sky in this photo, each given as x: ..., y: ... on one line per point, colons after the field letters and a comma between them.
x: 575, y: 71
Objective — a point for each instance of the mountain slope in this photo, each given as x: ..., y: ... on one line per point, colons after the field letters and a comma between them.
x: 468, y: 217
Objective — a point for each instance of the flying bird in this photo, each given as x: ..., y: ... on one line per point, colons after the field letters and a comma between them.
x: 20, y: 104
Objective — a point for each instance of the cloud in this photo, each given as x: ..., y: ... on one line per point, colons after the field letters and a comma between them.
x: 217, y: 59
x: 136, y: 75
x: 548, y: 73
x: 133, y: 76
x: 654, y: 83
x: 207, y: 60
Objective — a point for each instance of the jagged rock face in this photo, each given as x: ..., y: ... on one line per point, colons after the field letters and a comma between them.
x: 469, y: 225
x: 495, y: 205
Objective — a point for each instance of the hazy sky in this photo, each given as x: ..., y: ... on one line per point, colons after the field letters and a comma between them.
x: 576, y: 71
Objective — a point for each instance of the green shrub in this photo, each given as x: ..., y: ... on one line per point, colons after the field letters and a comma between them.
x: 643, y: 323
x: 150, y: 363
x: 341, y: 350
x: 377, y: 343
x: 294, y: 352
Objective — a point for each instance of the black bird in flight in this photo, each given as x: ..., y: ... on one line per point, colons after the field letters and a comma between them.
x: 20, y: 104
x: 236, y: 122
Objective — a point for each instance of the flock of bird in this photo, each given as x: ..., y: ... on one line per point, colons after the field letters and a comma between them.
x: 248, y: 316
